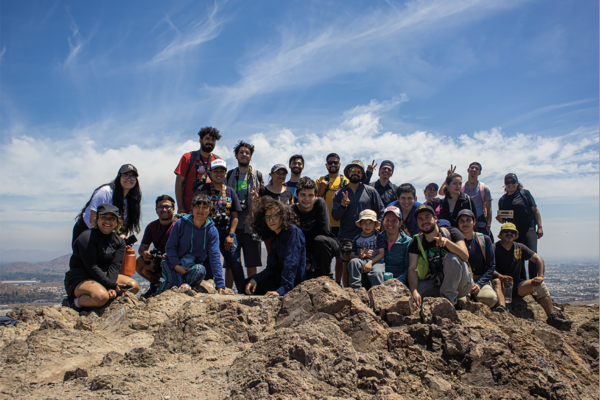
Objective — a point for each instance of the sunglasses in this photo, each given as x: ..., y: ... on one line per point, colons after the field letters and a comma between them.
x: 333, y: 162
x: 272, y: 217
x: 507, y: 232
x: 510, y: 182
x: 355, y: 170
x: 167, y: 208
x: 130, y: 177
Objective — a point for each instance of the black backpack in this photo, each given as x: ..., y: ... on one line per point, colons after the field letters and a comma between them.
x: 194, y: 156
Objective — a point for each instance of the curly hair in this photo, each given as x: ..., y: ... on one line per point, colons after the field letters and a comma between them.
x: 209, y: 130
x: 241, y: 144
x: 259, y: 209
x: 449, y: 180
x: 306, y: 183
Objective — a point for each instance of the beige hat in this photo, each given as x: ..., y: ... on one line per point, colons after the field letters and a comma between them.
x: 368, y: 214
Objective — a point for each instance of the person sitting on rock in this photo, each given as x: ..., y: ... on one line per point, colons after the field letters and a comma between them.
x: 397, y: 241
x: 193, y: 241
x: 481, y: 259
x: 368, y: 250
x: 313, y: 219
x: 437, y: 260
x: 510, y: 270
x: 286, y: 262
x: 93, y: 277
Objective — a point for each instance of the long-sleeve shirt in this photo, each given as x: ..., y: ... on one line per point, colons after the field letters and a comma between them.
x: 480, y: 266
x: 287, y: 259
x: 462, y: 203
x: 97, y: 257
x: 365, y: 197
x: 396, y: 257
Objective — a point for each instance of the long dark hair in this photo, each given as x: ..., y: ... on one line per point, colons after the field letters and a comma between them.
x: 259, y: 209
x: 449, y: 180
x: 134, y: 201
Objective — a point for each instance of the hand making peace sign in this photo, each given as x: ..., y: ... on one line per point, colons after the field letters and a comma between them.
x: 371, y: 167
x: 451, y: 170
x: 441, y: 241
x: 345, y: 200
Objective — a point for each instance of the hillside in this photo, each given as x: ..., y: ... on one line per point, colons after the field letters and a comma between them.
x: 60, y: 264
x: 317, y: 342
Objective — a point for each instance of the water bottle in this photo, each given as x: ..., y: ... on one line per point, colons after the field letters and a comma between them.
x: 508, y: 289
x: 387, y: 276
x: 128, y: 264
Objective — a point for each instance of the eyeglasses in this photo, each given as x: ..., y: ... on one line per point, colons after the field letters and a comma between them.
x: 167, y: 208
x: 507, y: 232
x: 355, y: 170
x: 333, y: 162
x: 510, y: 182
x: 272, y: 217
x: 130, y: 177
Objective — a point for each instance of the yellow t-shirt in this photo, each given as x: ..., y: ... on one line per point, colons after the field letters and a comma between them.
x: 333, y: 187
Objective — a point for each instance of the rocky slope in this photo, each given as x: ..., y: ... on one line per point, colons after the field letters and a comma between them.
x: 318, y: 342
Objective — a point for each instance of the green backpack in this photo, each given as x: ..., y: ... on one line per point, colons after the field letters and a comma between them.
x: 423, y: 264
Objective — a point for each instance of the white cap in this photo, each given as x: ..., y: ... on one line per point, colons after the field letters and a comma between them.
x: 218, y: 164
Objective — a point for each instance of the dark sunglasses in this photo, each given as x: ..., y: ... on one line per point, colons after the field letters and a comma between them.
x: 510, y: 182
x: 333, y: 162
x: 506, y: 232
x: 164, y: 208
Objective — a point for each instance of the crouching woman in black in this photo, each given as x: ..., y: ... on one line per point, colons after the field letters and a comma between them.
x: 93, y: 277
x: 286, y: 262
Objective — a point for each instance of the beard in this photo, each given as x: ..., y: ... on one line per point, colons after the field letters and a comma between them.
x: 333, y: 169
x: 296, y: 171
x: 243, y: 164
x: 428, y: 231
x: 355, y: 179
x: 206, y: 148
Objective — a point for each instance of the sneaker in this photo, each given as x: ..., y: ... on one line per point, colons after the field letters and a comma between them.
x: 562, y: 324
x: 500, y: 309
x: 70, y: 302
x: 151, y: 290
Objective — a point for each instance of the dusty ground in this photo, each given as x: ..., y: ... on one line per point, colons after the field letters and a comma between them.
x: 319, y: 341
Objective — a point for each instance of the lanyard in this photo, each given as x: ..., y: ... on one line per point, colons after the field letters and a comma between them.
x: 213, y: 193
x: 237, y: 179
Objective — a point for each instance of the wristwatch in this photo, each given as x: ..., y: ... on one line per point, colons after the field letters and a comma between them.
x: 231, y: 235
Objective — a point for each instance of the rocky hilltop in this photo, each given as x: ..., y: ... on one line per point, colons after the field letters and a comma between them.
x: 318, y: 342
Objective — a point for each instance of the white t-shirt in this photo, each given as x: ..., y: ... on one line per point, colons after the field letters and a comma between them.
x: 101, y: 196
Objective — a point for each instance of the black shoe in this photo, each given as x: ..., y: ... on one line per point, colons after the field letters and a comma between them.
x: 500, y: 309
x: 151, y: 290
x: 562, y: 324
x: 70, y: 302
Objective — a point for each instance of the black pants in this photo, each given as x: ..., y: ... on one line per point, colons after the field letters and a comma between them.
x: 529, y: 239
x: 323, y: 249
x: 78, y: 229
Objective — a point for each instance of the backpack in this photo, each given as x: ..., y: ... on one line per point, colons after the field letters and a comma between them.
x: 422, y: 263
x: 343, y: 178
x: 523, y: 195
x: 259, y: 175
x: 481, y: 193
x: 193, y: 157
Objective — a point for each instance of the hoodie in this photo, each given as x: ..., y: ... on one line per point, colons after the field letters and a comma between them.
x: 396, y: 259
x: 202, y: 243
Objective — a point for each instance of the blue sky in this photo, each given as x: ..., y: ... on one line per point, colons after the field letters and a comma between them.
x: 88, y: 86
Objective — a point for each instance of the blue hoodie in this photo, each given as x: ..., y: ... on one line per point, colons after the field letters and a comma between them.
x: 396, y: 260
x: 202, y: 243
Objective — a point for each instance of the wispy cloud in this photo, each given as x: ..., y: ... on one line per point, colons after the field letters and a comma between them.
x: 192, y: 35
x: 543, y: 110
x: 76, y: 42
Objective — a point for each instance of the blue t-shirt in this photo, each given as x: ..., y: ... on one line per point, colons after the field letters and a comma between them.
x: 372, y: 242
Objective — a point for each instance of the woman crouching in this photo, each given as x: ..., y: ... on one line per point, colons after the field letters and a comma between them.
x: 286, y: 262
x: 93, y: 277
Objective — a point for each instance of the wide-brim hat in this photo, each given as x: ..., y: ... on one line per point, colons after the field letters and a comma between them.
x: 368, y: 214
x: 509, y: 226
x: 355, y: 163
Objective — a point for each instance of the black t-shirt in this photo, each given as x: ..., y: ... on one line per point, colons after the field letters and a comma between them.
x: 220, y: 205
x: 462, y: 203
x: 434, y: 203
x: 314, y: 222
x: 511, y: 262
x: 154, y: 232
x: 524, y: 218
x: 432, y: 247
x: 285, y: 197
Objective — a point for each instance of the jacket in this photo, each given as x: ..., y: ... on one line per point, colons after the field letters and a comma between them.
x: 202, y: 243
x: 396, y: 259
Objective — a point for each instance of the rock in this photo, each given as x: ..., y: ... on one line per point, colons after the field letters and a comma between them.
x: 456, y: 341
x: 111, y: 358
x: 592, y: 349
x: 439, y: 311
x: 394, y: 303
x: 75, y: 374
x: 589, y: 330
x: 206, y: 286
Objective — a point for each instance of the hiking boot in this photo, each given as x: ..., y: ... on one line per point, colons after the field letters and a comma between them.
x: 562, y: 324
x: 151, y: 290
x: 500, y: 309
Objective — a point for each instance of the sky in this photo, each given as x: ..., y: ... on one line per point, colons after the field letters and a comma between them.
x: 88, y: 86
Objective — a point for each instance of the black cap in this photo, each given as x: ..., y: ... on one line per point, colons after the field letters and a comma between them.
x: 511, y: 175
x: 466, y: 212
x: 387, y: 162
x: 108, y: 209
x: 125, y: 168
x: 424, y: 208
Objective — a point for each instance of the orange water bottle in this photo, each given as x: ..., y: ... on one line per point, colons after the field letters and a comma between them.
x: 128, y: 264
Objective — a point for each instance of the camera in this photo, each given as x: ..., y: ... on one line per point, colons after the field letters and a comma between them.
x: 436, y: 264
x: 198, y: 183
x: 221, y: 220
x: 244, y: 204
x: 346, y: 250
x: 157, y: 260
x: 130, y: 240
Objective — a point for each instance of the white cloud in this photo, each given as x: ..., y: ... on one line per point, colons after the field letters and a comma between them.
x: 76, y: 42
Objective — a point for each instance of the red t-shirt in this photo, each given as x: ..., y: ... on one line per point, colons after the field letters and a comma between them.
x: 200, y: 170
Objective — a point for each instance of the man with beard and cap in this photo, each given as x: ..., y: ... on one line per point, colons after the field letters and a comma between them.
x: 348, y: 203
x: 193, y: 168
x: 244, y: 180
x: 296, y: 166
x: 437, y: 260
x: 385, y: 188
x: 510, y: 270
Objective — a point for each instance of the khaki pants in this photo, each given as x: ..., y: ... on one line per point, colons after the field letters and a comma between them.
x: 486, y: 295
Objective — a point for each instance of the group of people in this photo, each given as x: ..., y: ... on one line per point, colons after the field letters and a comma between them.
x: 374, y: 232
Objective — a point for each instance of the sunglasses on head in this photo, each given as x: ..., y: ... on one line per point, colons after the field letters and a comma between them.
x: 333, y: 162
x: 510, y: 182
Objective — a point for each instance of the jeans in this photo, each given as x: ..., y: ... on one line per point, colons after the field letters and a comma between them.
x: 231, y: 259
x: 457, y: 281
x: 355, y: 270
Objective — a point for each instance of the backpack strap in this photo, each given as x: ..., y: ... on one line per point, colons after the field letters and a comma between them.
x: 193, y: 156
x: 229, y: 173
x: 481, y: 241
x: 418, y: 237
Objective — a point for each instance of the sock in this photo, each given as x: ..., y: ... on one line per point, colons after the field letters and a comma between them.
x: 77, y: 302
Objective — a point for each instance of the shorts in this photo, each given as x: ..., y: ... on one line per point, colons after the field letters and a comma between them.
x: 250, y: 248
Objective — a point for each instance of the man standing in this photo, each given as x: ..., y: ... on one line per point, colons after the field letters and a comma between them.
x: 296, y: 167
x: 407, y: 202
x: 481, y: 198
x: 348, y: 203
x: 157, y: 233
x: 442, y: 272
x: 244, y: 180
x: 193, y: 168
x: 510, y: 259
x: 385, y: 188
x: 313, y: 217
x: 481, y: 259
